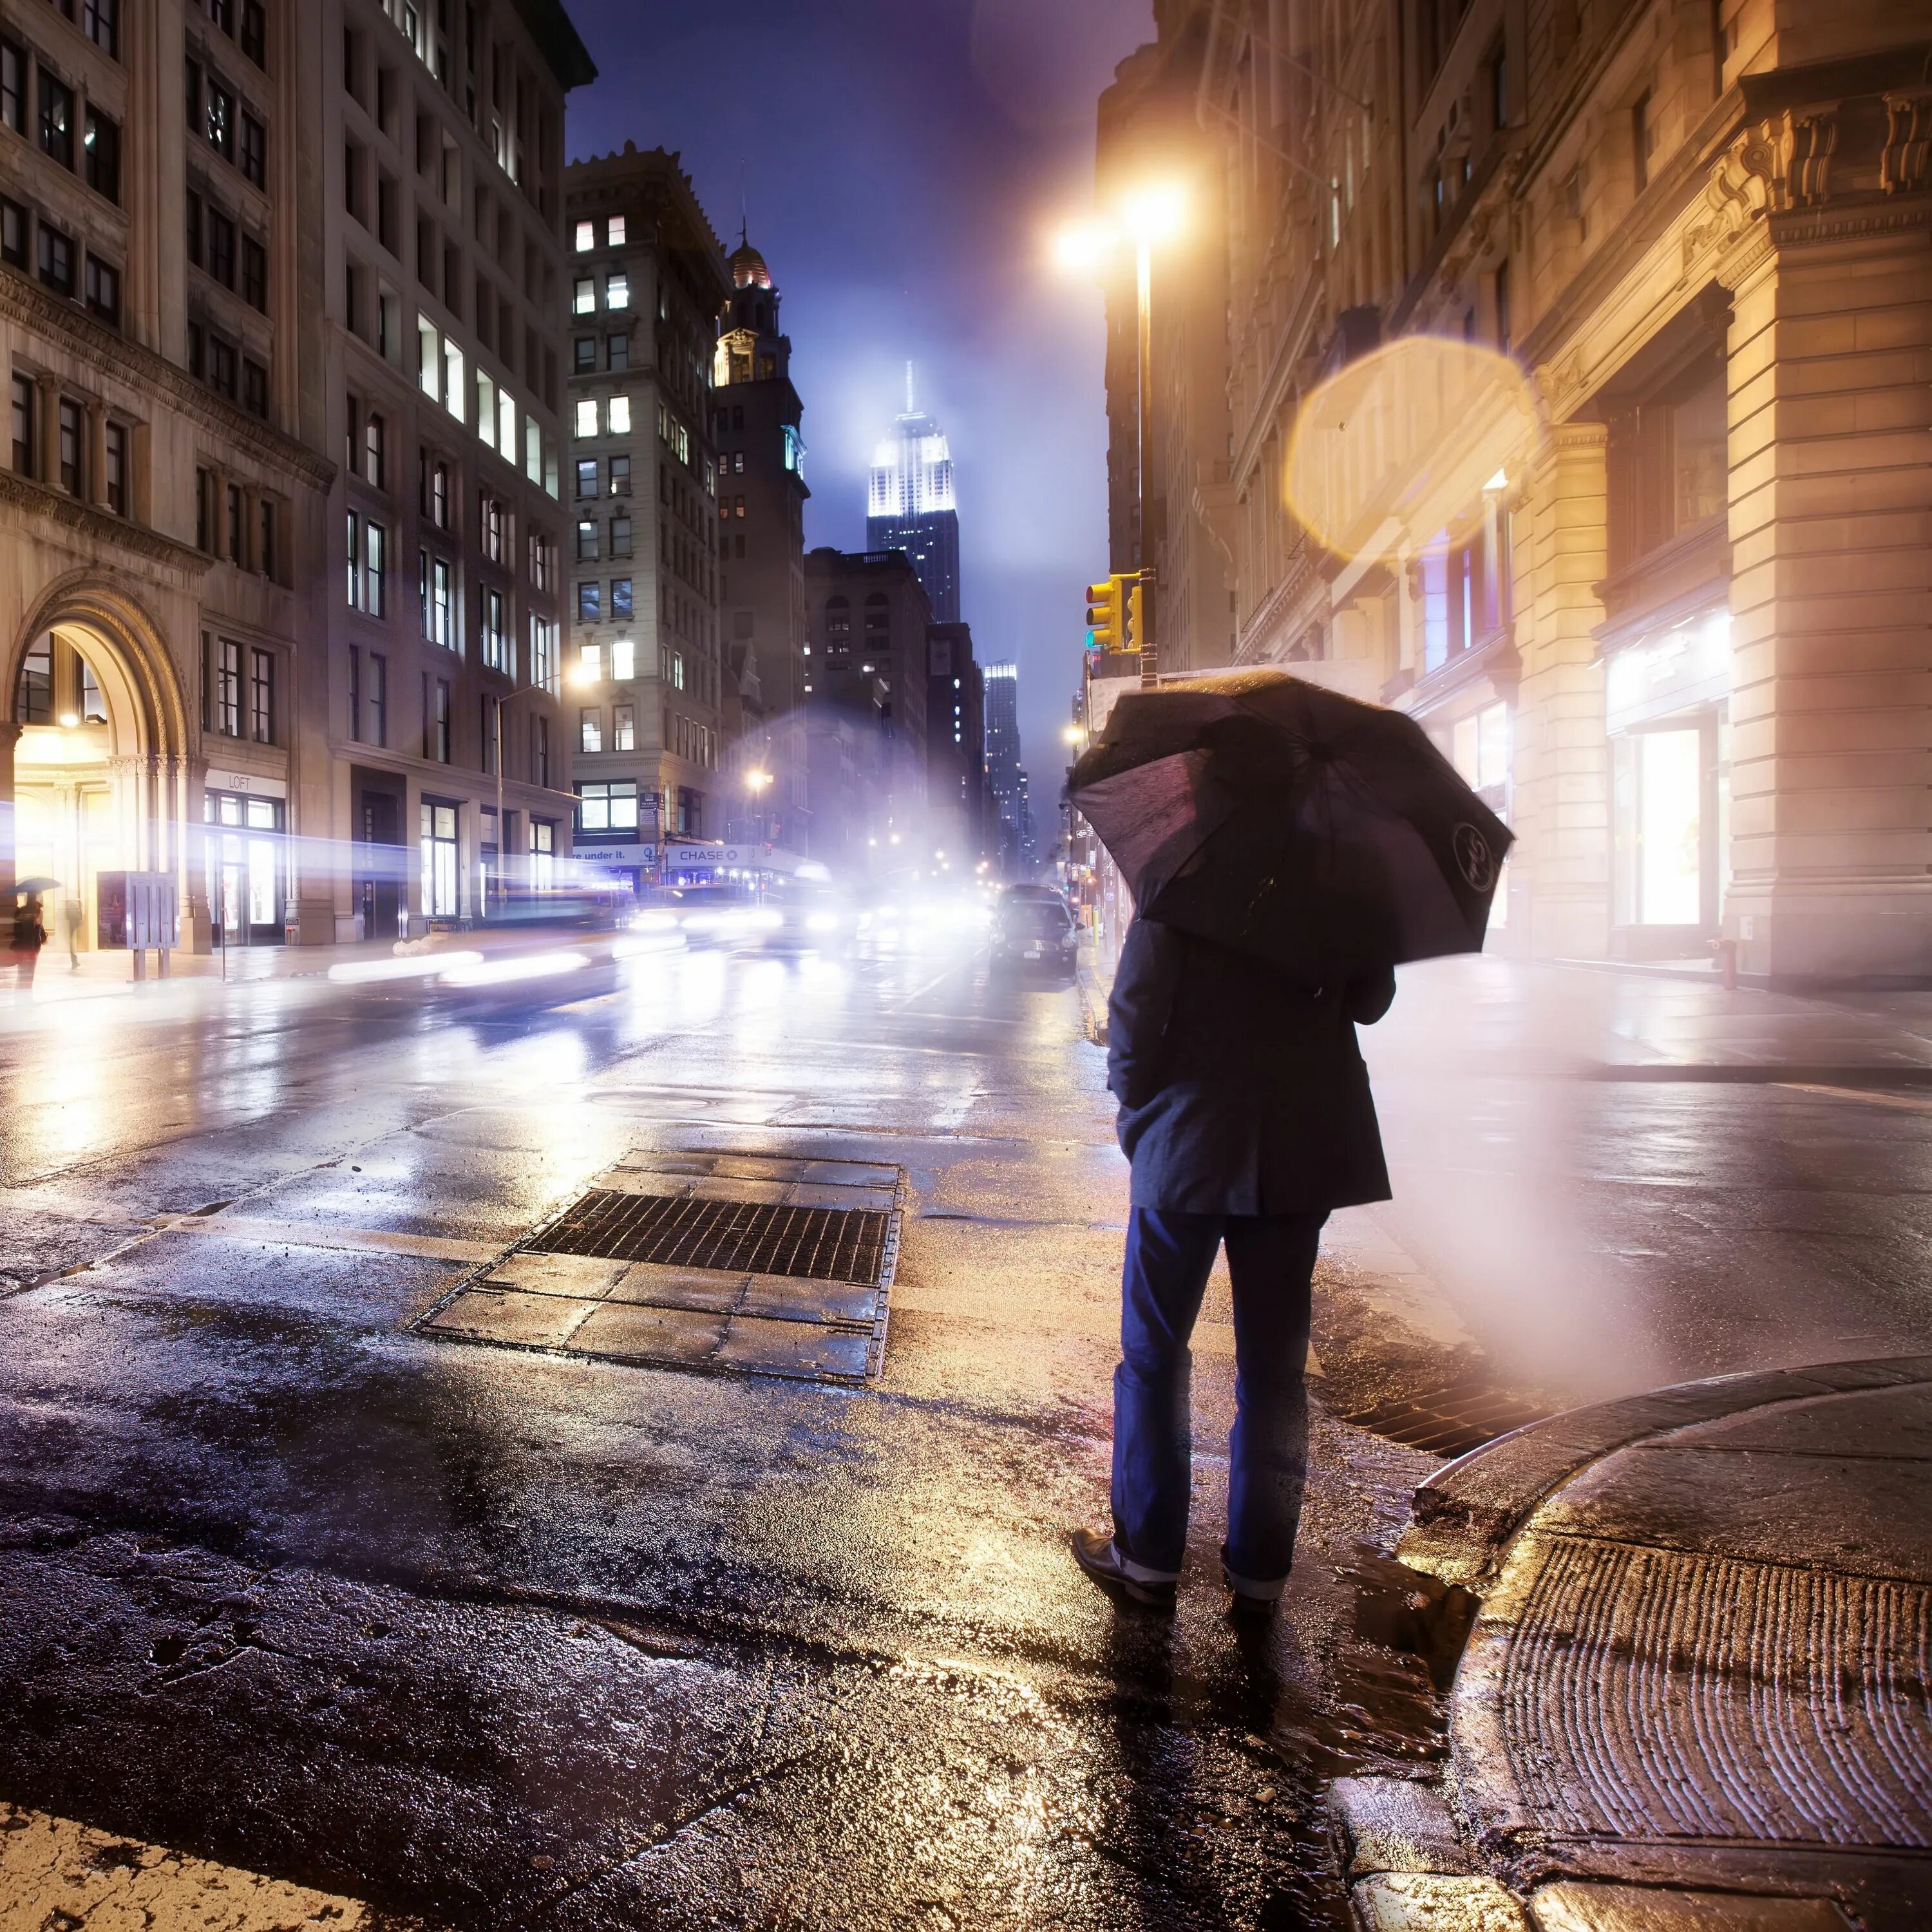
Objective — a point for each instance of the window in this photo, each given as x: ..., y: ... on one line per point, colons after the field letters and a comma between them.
x: 620, y: 536
x: 617, y: 353
x: 589, y: 605
x: 586, y: 541
x: 102, y: 141
x: 353, y: 585
x: 586, y: 418
x: 590, y: 729
x: 262, y: 696
x: 620, y: 475
x: 584, y: 296
x: 585, y: 351
x: 218, y: 121
x: 543, y: 654
x: 439, y: 495
x: 379, y: 698
x: 56, y: 119
x: 620, y: 415
x: 254, y: 273
x: 221, y: 263
x: 616, y: 232
x: 587, y: 476
x: 355, y: 693
x: 617, y: 291
x: 455, y: 395
x: 542, y: 560
x: 620, y: 598
x: 14, y: 220
x: 13, y: 87
x: 375, y: 569
x: 586, y: 233
x: 607, y: 805
x: 24, y: 400
x: 543, y: 833
x: 429, y: 359
x: 254, y: 36
x: 71, y: 426
x: 438, y: 602
x: 496, y: 650
x: 532, y: 449
x: 100, y: 21
x: 439, y: 859
x: 115, y: 480
x: 254, y: 387
x: 56, y: 260
x: 375, y: 450
x: 265, y: 560
x: 436, y: 724
x: 496, y: 538
x: 223, y: 366
x: 253, y: 160
x: 102, y: 287
x: 624, y: 728
x: 228, y: 688
x: 1643, y: 140
x: 237, y: 525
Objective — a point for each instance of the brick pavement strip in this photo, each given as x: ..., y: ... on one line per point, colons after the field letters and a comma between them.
x: 55, y: 1873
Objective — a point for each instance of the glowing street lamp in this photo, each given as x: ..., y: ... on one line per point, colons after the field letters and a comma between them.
x: 1147, y: 215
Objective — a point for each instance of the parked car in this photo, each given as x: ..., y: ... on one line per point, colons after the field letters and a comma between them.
x: 1034, y: 926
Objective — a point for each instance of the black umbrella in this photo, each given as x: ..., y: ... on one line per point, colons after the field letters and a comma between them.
x: 1285, y: 820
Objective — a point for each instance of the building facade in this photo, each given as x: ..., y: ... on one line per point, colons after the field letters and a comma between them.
x: 957, y: 802
x: 648, y: 676
x: 1639, y: 299
x: 1005, y: 776
x: 433, y: 344
x: 202, y: 329
x: 757, y: 420
x: 867, y: 620
x: 911, y: 505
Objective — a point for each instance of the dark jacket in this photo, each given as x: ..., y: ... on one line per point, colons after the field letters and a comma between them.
x: 1238, y: 1094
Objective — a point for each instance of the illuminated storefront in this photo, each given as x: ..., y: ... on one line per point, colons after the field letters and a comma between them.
x: 1667, y: 708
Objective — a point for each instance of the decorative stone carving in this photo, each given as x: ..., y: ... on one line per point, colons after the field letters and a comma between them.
x: 1903, y: 166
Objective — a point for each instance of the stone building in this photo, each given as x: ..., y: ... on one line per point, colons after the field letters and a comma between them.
x: 958, y: 806
x: 182, y: 270
x: 761, y: 496
x: 1668, y: 606
x: 867, y: 622
x: 648, y: 674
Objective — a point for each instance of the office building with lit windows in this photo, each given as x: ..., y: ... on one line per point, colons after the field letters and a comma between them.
x: 1005, y: 778
x: 282, y: 507
x: 648, y: 281
x: 957, y: 800
x: 910, y: 505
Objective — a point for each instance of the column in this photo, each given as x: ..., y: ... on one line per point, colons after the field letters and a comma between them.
x: 1831, y: 529
x: 10, y: 737
x: 1559, y: 870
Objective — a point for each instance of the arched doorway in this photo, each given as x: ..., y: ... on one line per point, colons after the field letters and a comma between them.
x: 99, y: 777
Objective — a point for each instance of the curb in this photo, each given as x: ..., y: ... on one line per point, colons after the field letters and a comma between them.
x: 1440, y: 1853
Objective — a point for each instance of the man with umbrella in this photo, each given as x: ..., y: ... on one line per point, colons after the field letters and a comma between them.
x: 1287, y: 848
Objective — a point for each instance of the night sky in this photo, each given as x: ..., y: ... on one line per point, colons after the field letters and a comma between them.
x: 901, y: 166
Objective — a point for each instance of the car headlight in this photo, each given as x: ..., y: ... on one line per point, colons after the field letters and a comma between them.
x: 822, y: 922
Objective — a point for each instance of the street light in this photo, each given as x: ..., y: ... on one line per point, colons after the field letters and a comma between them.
x: 1147, y: 214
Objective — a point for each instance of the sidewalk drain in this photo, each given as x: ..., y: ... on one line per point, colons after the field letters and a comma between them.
x: 1449, y: 1421
x: 737, y: 1263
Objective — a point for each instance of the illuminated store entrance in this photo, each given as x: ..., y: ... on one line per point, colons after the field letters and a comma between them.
x: 247, y: 848
x: 74, y: 806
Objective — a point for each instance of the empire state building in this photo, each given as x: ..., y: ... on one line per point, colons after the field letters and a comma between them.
x: 910, y: 506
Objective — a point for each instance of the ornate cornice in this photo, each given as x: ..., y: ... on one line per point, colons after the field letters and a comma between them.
x: 114, y: 355
x: 104, y: 532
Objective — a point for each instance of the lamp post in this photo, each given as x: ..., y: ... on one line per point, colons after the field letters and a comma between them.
x: 1149, y: 214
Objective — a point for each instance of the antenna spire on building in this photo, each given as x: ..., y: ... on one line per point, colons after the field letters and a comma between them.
x: 909, y: 407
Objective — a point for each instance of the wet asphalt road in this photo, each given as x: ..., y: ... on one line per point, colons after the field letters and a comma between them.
x: 495, y: 1639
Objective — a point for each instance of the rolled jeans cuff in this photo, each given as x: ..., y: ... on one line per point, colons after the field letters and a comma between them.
x: 1264, y: 1591
x: 1142, y: 1572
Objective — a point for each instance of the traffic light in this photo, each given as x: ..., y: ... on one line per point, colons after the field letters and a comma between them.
x: 1136, y: 637
x: 1105, y: 618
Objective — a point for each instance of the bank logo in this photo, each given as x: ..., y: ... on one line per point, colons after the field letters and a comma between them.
x: 1476, y: 863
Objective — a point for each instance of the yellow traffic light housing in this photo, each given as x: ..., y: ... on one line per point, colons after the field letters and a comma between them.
x: 1105, y: 617
x: 1136, y: 636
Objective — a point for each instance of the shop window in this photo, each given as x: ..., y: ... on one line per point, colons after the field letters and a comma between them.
x: 1669, y: 465
x: 438, y: 828
x: 608, y: 806
x: 1660, y: 827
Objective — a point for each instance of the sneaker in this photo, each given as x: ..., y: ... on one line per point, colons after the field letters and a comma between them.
x: 1095, y: 1551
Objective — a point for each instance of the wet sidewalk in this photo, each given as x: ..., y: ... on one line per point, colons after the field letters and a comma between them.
x: 1694, y: 1692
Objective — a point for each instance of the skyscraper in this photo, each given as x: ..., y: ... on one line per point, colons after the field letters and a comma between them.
x: 1004, y: 779
x: 910, y: 507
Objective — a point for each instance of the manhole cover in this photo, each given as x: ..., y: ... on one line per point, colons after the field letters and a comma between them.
x: 746, y: 1263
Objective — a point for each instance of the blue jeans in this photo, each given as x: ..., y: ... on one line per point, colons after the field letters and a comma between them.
x: 1270, y: 1259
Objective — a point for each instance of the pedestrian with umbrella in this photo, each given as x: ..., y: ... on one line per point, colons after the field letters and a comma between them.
x: 1287, y: 848
x: 29, y: 933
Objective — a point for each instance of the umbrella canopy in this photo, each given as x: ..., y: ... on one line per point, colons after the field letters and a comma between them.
x: 1285, y: 820
x: 36, y: 885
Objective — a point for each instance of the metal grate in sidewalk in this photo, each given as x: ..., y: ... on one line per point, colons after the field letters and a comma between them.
x: 1447, y: 1421
x: 816, y: 1244
x: 728, y: 1262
